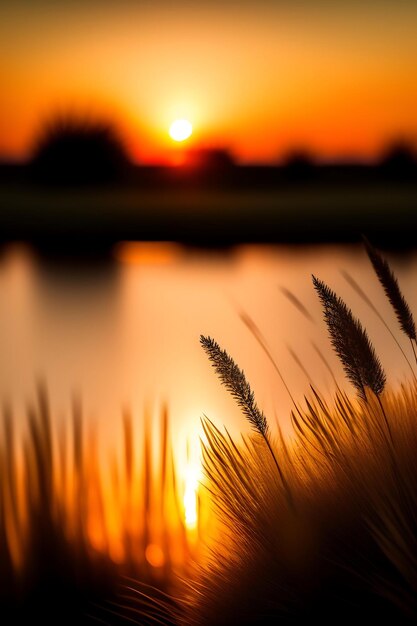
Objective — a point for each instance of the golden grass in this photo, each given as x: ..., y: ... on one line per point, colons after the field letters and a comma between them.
x: 344, y: 544
x: 318, y: 526
x: 321, y: 527
x: 73, y: 528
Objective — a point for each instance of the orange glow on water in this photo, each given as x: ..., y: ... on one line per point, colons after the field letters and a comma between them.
x: 128, y: 508
x: 122, y: 486
x: 147, y: 253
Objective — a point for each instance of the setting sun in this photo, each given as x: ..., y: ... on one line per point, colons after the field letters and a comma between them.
x: 180, y: 130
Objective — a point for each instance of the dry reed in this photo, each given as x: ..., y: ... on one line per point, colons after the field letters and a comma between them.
x: 69, y: 534
x: 345, y: 548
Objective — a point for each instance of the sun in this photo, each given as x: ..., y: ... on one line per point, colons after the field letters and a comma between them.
x: 180, y: 130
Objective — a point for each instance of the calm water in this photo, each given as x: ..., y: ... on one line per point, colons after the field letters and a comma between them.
x: 125, y: 332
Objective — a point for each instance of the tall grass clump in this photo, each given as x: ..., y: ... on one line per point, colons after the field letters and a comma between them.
x: 393, y: 292
x: 336, y: 540
x: 84, y: 543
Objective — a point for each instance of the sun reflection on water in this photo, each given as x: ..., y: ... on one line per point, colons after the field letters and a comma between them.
x: 130, y: 332
x: 190, y: 499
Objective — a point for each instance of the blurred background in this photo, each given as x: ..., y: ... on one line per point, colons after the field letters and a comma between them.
x: 169, y: 170
x: 164, y: 167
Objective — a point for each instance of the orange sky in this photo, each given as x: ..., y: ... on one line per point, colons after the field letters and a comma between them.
x: 259, y: 78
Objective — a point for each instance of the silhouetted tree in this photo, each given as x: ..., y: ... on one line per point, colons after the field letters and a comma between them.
x: 78, y: 151
x: 213, y: 159
x: 299, y: 165
x: 399, y: 161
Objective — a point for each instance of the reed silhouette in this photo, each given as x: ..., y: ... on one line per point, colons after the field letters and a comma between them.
x: 343, y: 546
x: 299, y: 165
x: 319, y: 525
x: 79, y: 546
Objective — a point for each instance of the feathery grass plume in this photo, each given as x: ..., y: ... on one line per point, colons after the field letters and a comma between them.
x: 233, y: 378
x: 253, y: 328
x: 349, y: 545
x: 297, y: 303
x: 392, y: 290
x: 351, y: 343
x: 352, y: 282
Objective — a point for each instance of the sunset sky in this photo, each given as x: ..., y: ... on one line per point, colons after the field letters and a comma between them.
x: 260, y: 78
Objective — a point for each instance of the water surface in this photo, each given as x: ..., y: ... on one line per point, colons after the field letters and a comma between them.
x: 125, y: 331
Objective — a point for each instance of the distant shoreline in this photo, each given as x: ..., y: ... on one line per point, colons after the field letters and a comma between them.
x: 213, y: 209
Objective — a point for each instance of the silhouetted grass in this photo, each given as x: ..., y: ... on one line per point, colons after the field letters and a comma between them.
x: 70, y: 534
x: 318, y: 526
x: 343, y: 548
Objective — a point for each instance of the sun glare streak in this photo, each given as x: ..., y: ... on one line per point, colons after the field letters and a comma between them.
x: 190, y: 499
x: 191, y: 475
